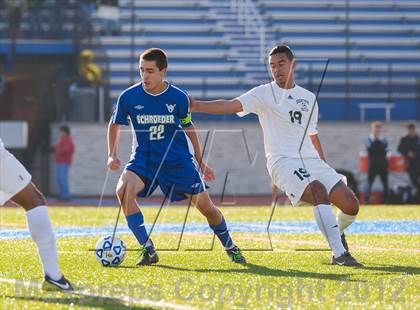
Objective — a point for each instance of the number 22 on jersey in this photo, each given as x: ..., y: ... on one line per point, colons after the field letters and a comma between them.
x: 156, y: 132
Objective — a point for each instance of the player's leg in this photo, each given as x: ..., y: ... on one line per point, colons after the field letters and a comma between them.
x: 15, y: 184
x: 40, y: 228
x: 316, y: 194
x: 348, y: 207
x: 129, y: 186
x: 217, y: 223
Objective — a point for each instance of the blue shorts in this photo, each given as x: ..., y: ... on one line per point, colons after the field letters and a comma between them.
x: 176, y: 180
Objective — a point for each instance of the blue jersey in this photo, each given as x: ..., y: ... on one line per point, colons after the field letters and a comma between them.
x: 157, y: 121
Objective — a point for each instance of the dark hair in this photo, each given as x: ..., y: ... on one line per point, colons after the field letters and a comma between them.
x: 411, y: 126
x: 156, y: 54
x: 65, y: 128
x: 282, y: 49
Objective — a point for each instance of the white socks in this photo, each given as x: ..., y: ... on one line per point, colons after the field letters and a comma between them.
x: 344, y: 220
x: 39, y: 226
x: 328, y: 226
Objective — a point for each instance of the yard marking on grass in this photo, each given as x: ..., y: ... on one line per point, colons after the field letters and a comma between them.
x: 127, y: 300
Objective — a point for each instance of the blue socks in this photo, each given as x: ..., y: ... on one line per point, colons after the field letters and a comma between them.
x: 222, y: 233
x: 136, y: 224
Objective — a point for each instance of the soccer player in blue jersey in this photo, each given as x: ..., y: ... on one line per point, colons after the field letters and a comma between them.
x: 167, y: 143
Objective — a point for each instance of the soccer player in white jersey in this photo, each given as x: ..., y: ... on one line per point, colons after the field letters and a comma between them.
x: 295, y: 159
x: 16, y: 185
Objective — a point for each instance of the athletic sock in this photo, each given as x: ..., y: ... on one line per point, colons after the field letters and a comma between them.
x: 329, y: 227
x: 136, y: 224
x: 222, y: 233
x: 42, y: 234
x: 344, y: 220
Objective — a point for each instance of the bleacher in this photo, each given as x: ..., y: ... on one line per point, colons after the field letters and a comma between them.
x: 384, y: 50
x: 211, y: 57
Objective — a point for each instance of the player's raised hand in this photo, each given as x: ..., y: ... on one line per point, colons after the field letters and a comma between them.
x: 114, y: 163
x: 208, y: 173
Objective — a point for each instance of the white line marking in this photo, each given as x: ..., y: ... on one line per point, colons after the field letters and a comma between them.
x: 122, y: 298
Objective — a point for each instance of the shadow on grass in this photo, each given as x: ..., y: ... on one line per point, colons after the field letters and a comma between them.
x: 313, y: 250
x: 107, y: 303
x: 409, y: 270
x: 266, y: 271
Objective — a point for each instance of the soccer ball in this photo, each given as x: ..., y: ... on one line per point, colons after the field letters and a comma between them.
x: 110, y: 255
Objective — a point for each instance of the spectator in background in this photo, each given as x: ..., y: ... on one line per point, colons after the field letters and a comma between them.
x: 87, y: 7
x: 64, y: 150
x: 58, y: 18
x: 108, y: 14
x: 377, y: 148
x: 409, y: 147
x: 15, y: 9
x: 34, y: 10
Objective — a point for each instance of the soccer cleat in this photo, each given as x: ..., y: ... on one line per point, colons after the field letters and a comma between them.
x: 346, y: 260
x: 60, y: 285
x: 148, y: 257
x: 236, y: 255
x: 344, y: 242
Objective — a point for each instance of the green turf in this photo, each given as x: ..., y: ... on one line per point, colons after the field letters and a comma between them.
x: 296, y: 273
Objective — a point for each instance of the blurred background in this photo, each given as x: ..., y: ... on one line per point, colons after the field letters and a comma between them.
x: 66, y: 62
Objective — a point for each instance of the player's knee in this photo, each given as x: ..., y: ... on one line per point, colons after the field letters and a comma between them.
x: 126, y: 192
x: 353, y: 205
x: 120, y: 191
x: 39, y: 198
x: 34, y: 199
x: 318, y: 192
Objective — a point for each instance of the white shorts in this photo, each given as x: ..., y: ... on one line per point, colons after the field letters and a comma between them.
x: 293, y: 175
x: 13, y: 176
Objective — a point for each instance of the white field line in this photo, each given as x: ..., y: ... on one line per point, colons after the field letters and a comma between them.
x: 366, y: 248
x: 127, y: 300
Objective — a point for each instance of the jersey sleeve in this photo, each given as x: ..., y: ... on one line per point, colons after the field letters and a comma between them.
x: 313, y: 122
x: 251, y: 102
x: 184, y: 113
x: 120, y: 115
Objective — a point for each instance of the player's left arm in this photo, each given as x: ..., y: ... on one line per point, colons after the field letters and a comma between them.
x: 192, y: 135
x: 317, y: 144
x: 313, y: 132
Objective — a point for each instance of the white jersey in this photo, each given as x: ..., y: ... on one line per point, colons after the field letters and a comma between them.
x: 283, y: 115
x: 2, y: 148
x: 13, y: 176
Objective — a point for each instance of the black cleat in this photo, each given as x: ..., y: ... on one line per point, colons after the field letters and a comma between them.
x: 344, y: 242
x: 346, y: 260
x: 60, y: 285
x: 236, y: 255
x: 148, y: 256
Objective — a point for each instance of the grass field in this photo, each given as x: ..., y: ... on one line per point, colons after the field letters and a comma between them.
x: 296, y: 273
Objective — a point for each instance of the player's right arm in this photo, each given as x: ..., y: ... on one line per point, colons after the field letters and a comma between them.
x: 113, y: 139
x: 220, y: 106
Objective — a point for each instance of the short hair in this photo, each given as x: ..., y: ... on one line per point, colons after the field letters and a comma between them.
x: 156, y: 54
x: 65, y: 128
x: 411, y: 126
x: 282, y: 49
